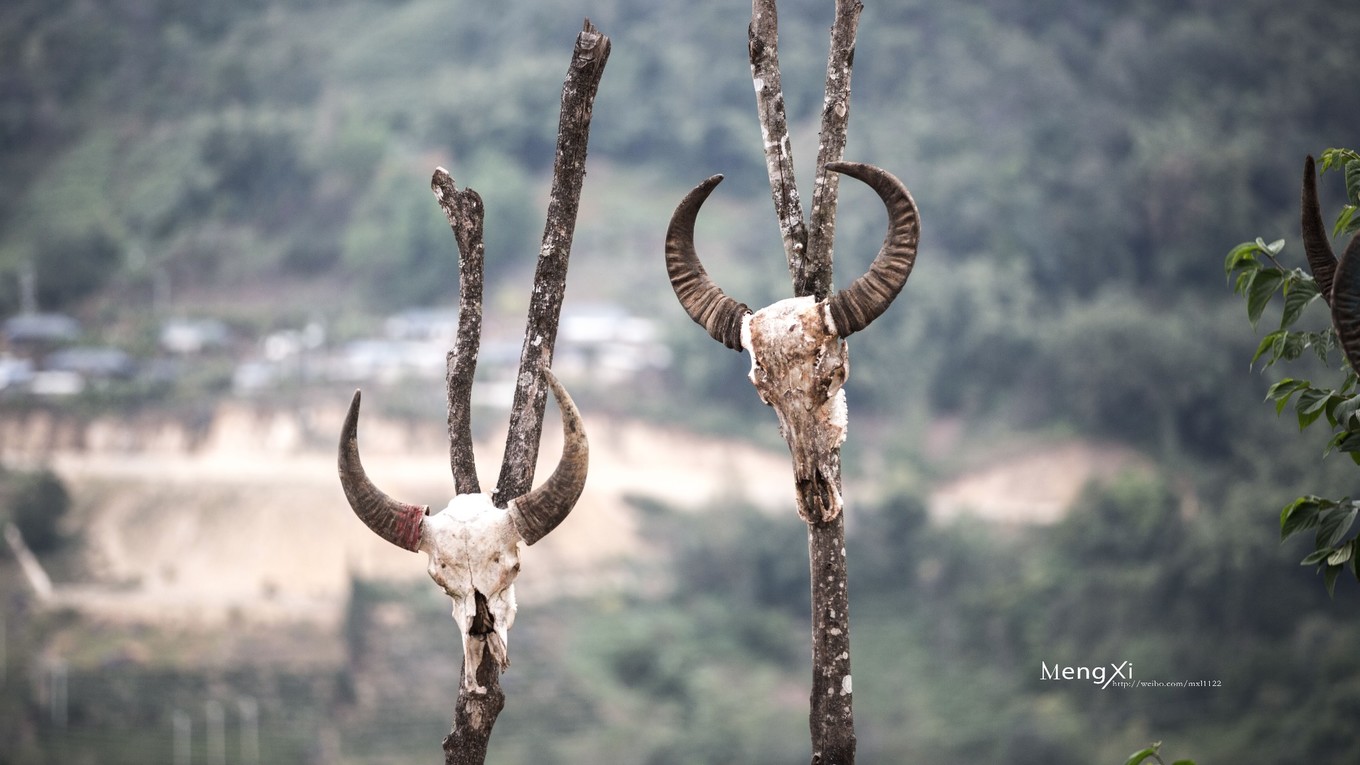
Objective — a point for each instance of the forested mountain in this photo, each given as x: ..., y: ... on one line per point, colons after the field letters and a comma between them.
x: 1081, y: 168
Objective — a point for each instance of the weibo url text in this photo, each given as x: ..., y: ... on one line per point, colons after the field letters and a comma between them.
x: 1166, y: 684
x: 1116, y: 676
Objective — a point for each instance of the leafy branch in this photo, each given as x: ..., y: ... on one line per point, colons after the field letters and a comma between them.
x: 1348, y: 161
x: 1258, y: 275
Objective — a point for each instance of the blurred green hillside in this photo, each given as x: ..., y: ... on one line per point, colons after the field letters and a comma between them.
x: 1082, y: 168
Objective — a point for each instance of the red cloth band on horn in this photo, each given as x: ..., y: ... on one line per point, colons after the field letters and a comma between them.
x: 406, y: 527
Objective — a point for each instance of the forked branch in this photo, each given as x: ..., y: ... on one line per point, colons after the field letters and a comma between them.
x: 810, y: 257
x: 480, y: 698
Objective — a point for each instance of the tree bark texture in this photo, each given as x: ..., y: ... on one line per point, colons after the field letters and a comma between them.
x: 476, y: 713
x: 831, y: 148
x: 810, y: 255
x: 550, y: 278
x: 831, y: 718
x: 480, y: 703
x: 763, y: 47
x: 465, y: 213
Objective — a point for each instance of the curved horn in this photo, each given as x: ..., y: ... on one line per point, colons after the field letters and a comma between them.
x: 700, y: 297
x: 1316, y: 244
x: 397, y: 522
x: 538, y: 512
x: 1346, y: 302
x: 854, y: 307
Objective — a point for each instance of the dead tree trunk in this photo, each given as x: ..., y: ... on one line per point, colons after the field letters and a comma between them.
x: 480, y: 702
x: 809, y: 250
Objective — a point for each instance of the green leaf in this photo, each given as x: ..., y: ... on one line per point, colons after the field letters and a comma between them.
x: 1353, y: 182
x: 1241, y: 256
x: 1295, y: 343
x: 1346, y: 409
x: 1346, y: 221
x: 1283, y: 390
x: 1322, y: 343
x: 1333, y: 159
x: 1312, y: 404
x: 1302, y: 514
x: 1315, y: 557
x: 1183, y: 762
x: 1298, y: 294
x: 1345, y: 441
x: 1333, y: 401
x: 1329, y: 577
x: 1335, y: 524
x: 1262, y: 288
x: 1143, y: 754
x: 1273, y: 342
x: 1341, y: 554
x: 1273, y: 248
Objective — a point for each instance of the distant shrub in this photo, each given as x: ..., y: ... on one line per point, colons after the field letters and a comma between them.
x: 35, y: 502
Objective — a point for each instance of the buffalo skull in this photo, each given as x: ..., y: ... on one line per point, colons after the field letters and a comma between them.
x: 472, y: 544
x: 799, y: 358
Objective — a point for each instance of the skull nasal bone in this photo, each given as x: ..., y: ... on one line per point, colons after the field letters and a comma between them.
x: 484, y: 622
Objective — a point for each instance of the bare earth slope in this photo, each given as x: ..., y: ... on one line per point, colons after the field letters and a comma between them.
x: 243, y: 517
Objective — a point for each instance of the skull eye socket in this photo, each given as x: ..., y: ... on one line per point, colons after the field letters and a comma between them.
x: 838, y: 376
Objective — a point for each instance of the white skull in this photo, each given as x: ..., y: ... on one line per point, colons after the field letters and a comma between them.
x: 799, y: 365
x: 474, y: 550
x: 473, y: 545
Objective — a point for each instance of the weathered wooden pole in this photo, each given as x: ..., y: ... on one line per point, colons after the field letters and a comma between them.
x: 480, y: 702
x: 473, y: 543
x: 810, y: 254
x: 799, y: 355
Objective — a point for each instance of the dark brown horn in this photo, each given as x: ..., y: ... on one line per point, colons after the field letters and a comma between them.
x: 856, y: 306
x: 1346, y: 302
x: 397, y: 522
x: 1316, y: 243
x: 538, y: 512
x: 700, y: 297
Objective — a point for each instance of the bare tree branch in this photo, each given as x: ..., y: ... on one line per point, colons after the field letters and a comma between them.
x: 830, y: 148
x: 550, y: 278
x: 465, y: 212
x: 763, y: 47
